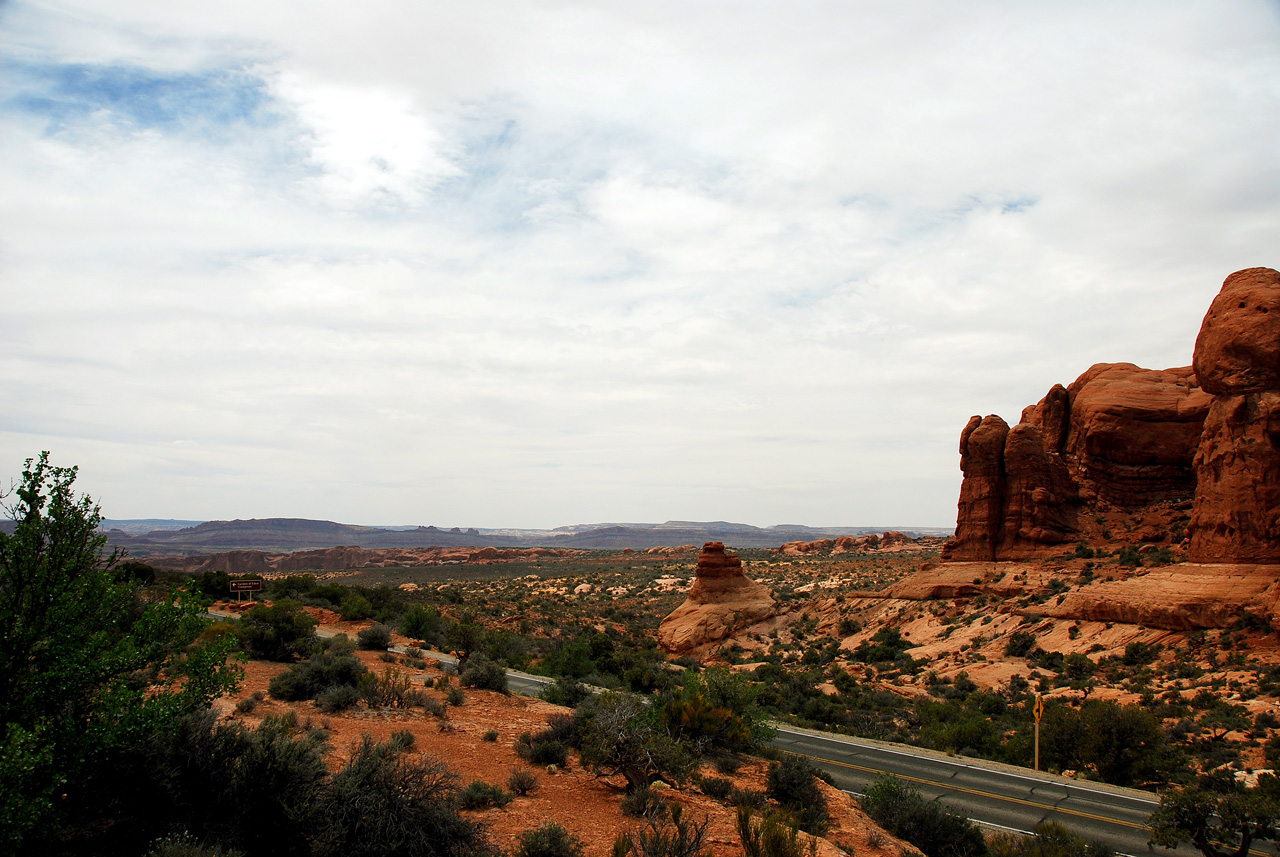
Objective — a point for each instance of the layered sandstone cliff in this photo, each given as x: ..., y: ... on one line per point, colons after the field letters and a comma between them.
x: 1126, y: 443
x: 722, y: 601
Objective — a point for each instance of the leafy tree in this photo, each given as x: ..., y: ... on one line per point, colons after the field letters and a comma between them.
x: 1225, y: 824
x: 88, y: 668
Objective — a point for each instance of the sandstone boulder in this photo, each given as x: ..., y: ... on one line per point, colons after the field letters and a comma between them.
x: 722, y: 601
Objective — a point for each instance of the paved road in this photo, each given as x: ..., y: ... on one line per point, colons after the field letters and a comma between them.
x: 997, y: 795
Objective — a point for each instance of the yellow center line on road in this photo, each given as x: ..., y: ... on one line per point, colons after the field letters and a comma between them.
x: 976, y: 792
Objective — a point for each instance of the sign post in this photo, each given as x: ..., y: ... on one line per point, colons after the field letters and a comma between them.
x: 239, y: 587
x: 1039, y: 712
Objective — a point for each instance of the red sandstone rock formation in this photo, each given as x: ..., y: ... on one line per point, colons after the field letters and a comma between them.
x: 721, y: 601
x: 1140, y: 442
x: 892, y: 540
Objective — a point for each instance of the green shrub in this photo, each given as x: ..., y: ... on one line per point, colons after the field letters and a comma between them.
x: 751, y: 798
x: 566, y: 691
x: 374, y: 637
x: 667, y: 834
x: 337, y: 698
x: 541, y: 749
x: 421, y: 623
x: 1019, y: 644
x: 317, y: 674
x: 455, y: 696
x: 549, y: 840
x: 480, y: 795
x: 490, y: 736
x: 522, y: 781
x: 382, y: 802
x: 279, y: 632
x: 717, y: 787
x: 643, y: 802
x: 903, y: 811
x: 793, y: 783
x: 355, y: 607
x: 483, y: 673
x: 392, y: 690
x: 1047, y: 839
x: 772, y: 837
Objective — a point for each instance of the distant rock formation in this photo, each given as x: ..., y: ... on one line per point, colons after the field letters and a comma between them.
x: 342, y: 558
x: 1123, y: 442
x: 893, y: 540
x: 721, y: 601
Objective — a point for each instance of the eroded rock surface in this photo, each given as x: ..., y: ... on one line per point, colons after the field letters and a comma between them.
x: 721, y: 601
x: 1123, y: 444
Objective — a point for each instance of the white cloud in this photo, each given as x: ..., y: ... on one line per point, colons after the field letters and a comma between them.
x: 533, y: 264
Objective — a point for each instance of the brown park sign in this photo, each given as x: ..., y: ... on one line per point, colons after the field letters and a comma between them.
x: 246, y: 586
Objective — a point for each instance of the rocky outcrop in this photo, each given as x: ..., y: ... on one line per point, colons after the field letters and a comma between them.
x: 1237, y: 502
x: 892, y: 540
x: 721, y: 601
x: 1126, y: 443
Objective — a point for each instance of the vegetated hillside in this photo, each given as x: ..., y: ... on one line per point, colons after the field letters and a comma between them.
x: 479, y: 733
x: 294, y: 534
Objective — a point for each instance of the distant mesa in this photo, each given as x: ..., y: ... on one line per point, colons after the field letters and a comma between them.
x: 722, y: 601
x: 1193, y: 453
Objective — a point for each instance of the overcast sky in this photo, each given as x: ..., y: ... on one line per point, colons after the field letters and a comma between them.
x: 533, y: 264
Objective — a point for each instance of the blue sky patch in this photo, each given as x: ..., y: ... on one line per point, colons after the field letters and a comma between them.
x: 134, y: 95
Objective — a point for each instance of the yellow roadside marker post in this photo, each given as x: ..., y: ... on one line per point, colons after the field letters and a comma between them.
x: 1039, y: 712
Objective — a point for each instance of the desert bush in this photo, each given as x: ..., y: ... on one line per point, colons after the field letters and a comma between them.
x: 903, y: 811
x: 522, y: 781
x: 374, y: 637
x: 622, y: 737
x: 391, y: 690
x: 566, y: 691
x: 455, y: 696
x: 248, y: 789
x: 483, y: 673
x: 278, y: 632
x: 541, y: 749
x: 1019, y: 644
x: 337, y: 698
x: 382, y: 802
x: 752, y: 798
x: 717, y: 787
x: 355, y: 607
x: 1047, y: 839
x: 490, y: 736
x: 185, y: 845
x: 421, y: 623
x: 771, y: 837
x: 246, y: 705
x: 666, y: 835
x: 479, y: 795
x: 549, y: 840
x: 793, y: 783
x: 401, y: 740
x: 320, y: 672
x: 727, y: 764
x: 643, y: 802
